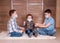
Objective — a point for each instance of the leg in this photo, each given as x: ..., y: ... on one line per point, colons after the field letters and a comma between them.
x: 51, y: 32
x: 42, y: 31
x: 35, y: 33
x: 15, y: 34
x: 29, y: 32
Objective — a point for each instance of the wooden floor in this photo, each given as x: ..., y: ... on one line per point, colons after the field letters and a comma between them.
x: 57, y: 40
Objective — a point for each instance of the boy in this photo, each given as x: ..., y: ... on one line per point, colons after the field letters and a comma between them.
x: 30, y: 26
x: 13, y: 28
x: 47, y: 28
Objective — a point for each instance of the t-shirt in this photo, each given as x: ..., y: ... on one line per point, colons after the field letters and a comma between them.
x: 51, y: 21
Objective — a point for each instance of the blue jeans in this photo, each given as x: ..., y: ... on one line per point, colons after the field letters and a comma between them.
x: 44, y: 31
x: 16, y: 34
x: 31, y: 32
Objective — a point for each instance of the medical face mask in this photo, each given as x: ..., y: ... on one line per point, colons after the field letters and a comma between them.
x: 29, y: 19
x: 46, y: 16
x: 15, y: 16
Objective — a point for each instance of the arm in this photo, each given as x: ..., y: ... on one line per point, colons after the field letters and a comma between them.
x: 20, y: 28
x: 25, y: 24
x: 43, y: 25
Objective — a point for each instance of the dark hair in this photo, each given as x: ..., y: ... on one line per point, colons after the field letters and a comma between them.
x: 29, y: 15
x: 48, y: 11
x: 11, y: 12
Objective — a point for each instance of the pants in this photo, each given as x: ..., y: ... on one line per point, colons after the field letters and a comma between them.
x: 31, y: 32
x: 44, y: 31
x: 16, y: 34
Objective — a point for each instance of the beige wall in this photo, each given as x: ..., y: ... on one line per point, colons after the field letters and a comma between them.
x: 58, y: 14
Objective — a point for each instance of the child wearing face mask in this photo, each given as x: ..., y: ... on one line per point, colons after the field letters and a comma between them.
x: 47, y: 28
x: 30, y: 26
x: 13, y: 29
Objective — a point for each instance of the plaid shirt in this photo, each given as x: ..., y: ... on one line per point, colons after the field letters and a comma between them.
x: 12, y: 25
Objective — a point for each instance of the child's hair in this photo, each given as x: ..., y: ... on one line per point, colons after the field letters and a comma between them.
x: 48, y: 11
x: 29, y: 15
x: 11, y: 12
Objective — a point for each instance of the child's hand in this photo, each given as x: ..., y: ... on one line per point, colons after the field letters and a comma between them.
x: 24, y: 23
x: 36, y: 24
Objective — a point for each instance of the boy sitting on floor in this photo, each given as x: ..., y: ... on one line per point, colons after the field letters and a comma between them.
x: 13, y: 28
x: 47, y: 28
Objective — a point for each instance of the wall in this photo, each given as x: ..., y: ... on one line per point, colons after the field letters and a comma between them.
x: 58, y: 14
x: 4, y: 10
x: 25, y: 7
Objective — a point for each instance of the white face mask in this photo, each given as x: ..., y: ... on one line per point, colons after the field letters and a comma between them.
x: 46, y: 16
x: 15, y: 16
x: 29, y: 20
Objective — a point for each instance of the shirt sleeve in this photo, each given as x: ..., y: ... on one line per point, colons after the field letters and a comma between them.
x: 51, y: 21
